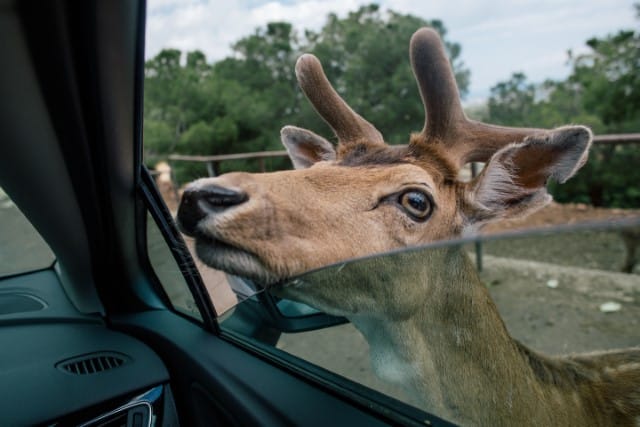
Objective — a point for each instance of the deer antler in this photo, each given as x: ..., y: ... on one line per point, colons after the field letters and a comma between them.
x: 348, y: 126
x: 445, y: 122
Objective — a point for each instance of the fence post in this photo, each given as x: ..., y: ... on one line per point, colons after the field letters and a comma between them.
x: 477, y: 244
x: 174, y: 182
x: 212, y: 168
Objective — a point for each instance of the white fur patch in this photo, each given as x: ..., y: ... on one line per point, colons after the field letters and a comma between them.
x: 495, y: 186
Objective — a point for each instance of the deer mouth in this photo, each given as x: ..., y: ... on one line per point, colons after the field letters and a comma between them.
x: 232, y: 259
x: 215, y: 252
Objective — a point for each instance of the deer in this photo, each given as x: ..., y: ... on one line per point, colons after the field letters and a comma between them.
x: 430, y: 323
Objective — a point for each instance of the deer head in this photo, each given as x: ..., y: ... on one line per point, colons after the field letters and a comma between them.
x: 364, y: 196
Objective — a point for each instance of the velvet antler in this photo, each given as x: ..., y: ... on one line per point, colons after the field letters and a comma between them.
x: 445, y: 122
x: 348, y: 125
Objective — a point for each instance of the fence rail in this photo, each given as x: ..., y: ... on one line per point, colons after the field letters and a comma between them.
x: 621, y: 138
x: 212, y: 162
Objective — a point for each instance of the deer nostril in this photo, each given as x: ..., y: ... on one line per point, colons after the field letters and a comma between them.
x: 215, y: 197
x: 196, y: 204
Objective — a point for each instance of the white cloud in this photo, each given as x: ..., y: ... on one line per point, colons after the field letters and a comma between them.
x: 305, y: 14
x: 214, y: 26
x: 498, y: 37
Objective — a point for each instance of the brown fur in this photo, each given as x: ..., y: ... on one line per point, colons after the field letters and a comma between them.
x: 430, y: 323
x: 429, y: 158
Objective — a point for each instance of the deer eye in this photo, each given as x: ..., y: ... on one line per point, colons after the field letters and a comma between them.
x: 416, y: 203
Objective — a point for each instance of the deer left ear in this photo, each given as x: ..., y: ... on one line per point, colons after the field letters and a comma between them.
x: 305, y: 147
x: 513, y: 183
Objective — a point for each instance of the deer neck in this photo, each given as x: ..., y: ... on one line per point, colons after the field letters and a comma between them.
x: 455, y: 351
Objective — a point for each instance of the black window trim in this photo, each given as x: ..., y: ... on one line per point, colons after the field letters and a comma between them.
x: 153, y: 204
x: 394, y: 411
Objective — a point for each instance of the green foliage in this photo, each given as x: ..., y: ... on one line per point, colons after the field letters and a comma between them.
x: 197, y: 139
x: 610, y: 77
x: 603, y: 92
x: 239, y: 104
x: 518, y: 102
x: 610, y: 178
x: 159, y: 140
x: 225, y: 130
x: 512, y: 102
x: 365, y: 56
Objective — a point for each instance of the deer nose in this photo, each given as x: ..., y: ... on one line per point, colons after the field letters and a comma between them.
x: 199, y: 202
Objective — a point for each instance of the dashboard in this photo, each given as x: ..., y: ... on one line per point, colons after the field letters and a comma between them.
x: 60, y: 367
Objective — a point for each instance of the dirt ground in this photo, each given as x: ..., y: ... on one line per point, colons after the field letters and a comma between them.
x: 550, y: 289
x: 566, y: 213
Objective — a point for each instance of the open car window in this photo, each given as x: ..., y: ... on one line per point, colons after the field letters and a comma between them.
x: 22, y: 248
x: 169, y: 272
x: 338, y: 267
x: 561, y: 290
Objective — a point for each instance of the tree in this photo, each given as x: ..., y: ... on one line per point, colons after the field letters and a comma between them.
x: 512, y: 102
x: 518, y: 102
x: 609, y: 75
x: 366, y: 56
x: 190, y: 109
x: 240, y: 103
x: 603, y: 92
x: 263, y: 64
x: 171, y: 94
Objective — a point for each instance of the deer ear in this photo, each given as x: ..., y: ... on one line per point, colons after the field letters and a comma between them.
x: 513, y: 183
x: 305, y: 147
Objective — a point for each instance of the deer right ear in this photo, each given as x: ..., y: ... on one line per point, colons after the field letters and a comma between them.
x: 513, y: 183
x: 305, y: 147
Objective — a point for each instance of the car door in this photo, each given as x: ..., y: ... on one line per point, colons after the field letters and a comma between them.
x: 242, y: 366
x: 231, y: 369
x: 87, y: 62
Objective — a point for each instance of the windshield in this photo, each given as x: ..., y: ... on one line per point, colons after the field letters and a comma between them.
x: 22, y: 249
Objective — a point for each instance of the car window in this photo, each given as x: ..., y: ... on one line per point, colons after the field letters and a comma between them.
x: 563, y: 274
x: 22, y: 248
x: 559, y: 291
x: 168, y: 271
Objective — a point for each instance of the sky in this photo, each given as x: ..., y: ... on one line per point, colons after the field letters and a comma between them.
x: 498, y: 37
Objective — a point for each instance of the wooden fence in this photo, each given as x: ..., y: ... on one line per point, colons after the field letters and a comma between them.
x: 213, y: 162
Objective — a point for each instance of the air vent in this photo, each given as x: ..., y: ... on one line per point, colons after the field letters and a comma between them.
x: 19, y: 303
x: 93, y: 363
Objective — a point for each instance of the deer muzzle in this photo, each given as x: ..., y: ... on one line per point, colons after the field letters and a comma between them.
x: 200, y: 201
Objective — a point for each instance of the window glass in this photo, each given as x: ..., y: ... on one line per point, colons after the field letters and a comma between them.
x: 168, y: 271
x: 220, y: 286
x: 209, y: 112
x: 22, y: 248
x: 224, y: 290
x: 559, y: 291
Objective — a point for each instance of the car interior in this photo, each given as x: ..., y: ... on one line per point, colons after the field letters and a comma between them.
x: 105, y: 319
x: 91, y: 336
